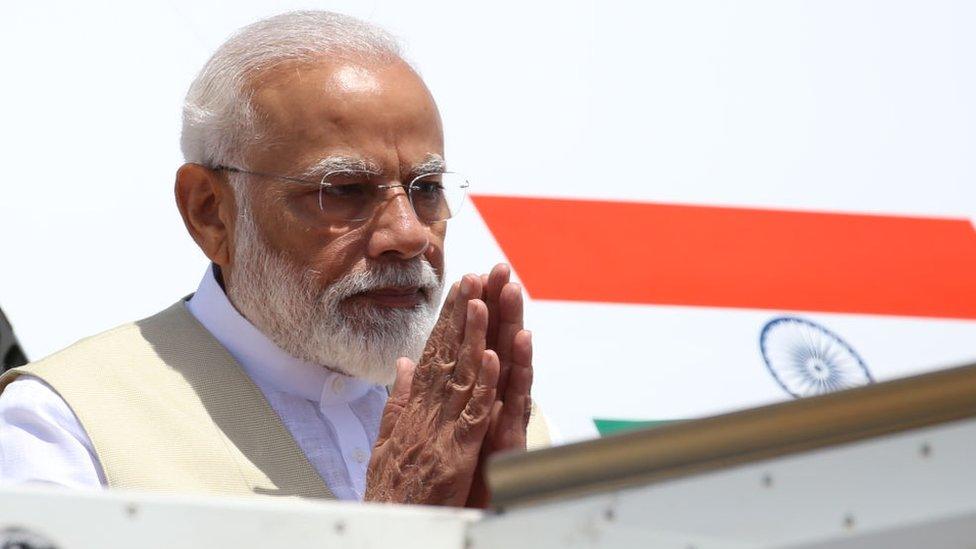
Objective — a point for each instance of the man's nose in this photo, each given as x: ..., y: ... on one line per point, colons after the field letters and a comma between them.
x: 397, y: 231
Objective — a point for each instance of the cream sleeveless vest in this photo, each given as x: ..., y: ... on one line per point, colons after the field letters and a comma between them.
x: 168, y: 409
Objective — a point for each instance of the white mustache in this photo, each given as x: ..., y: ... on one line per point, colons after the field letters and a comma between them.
x: 415, y: 273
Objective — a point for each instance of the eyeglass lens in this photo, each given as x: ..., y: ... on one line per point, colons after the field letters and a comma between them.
x: 350, y: 197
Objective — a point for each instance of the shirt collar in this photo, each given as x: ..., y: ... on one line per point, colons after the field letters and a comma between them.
x: 266, y: 363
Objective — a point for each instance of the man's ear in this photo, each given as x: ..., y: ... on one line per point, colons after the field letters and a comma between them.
x: 206, y: 202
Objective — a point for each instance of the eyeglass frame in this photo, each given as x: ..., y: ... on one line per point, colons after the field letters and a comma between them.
x: 323, y: 183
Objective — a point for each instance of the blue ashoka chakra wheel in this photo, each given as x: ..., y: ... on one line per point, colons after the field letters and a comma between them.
x: 807, y: 359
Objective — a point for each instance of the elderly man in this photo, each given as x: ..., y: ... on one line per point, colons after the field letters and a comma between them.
x: 316, y: 185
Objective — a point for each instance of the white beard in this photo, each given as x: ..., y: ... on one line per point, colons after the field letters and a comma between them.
x: 281, y: 300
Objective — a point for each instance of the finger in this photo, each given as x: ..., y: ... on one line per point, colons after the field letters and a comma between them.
x: 448, y: 307
x: 470, y: 356
x: 510, y: 323
x: 469, y: 288
x: 473, y: 421
x: 494, y: 283
x: 445, y: 340
x: 399, y: 396
x: 521, y: 380
x: 427, y: 372
x: 496, y: 414
x: 510, y: 313
x: 513, y: 419
x: 485, y: 298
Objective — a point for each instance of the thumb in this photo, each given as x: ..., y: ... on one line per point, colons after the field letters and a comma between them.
x: 399, y: 395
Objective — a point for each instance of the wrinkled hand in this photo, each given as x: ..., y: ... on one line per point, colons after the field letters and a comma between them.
x: 439, y: 410
x: 513, y: 345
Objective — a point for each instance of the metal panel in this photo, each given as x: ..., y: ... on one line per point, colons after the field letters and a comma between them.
x: 676, y: 450
x: 107, y: 520
x: 837, y: 496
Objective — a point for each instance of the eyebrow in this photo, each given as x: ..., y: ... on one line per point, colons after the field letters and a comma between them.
x: 432, y: 163
x: 340, y: 164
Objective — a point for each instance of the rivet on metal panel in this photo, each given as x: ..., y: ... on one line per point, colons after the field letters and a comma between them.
x: 340, y: 527
x: 849, y: 521
x: 767, y: 480
x: 131, y: 510
x: 925, y: 450
x: 609, y: 514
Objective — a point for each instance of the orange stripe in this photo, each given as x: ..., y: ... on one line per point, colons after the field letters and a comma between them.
x: 624, y: 252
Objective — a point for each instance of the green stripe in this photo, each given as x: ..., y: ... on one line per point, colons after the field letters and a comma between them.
x: 610, y: 426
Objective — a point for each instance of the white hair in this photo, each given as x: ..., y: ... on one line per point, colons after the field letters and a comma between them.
x: 218, y: 121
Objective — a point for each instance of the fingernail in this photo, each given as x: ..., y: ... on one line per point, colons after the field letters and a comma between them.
x: 465, y: 286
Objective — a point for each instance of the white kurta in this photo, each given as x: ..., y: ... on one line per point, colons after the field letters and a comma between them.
x: 333, y: 417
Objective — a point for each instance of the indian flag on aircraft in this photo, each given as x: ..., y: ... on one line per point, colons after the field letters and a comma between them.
x: 667, y: 311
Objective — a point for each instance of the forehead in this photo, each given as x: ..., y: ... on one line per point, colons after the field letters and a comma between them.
x: 379, y: 111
